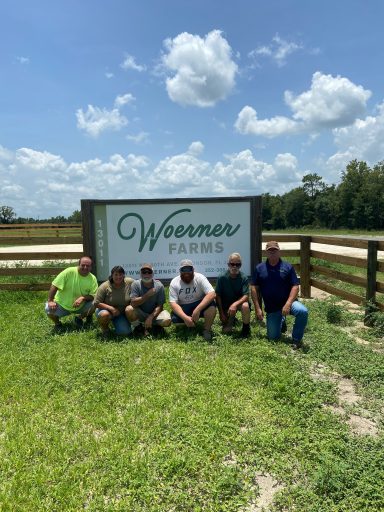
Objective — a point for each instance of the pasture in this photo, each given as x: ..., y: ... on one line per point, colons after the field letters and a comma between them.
x: 175, y: 424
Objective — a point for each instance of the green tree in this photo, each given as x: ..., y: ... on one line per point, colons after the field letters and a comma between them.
x: 295, y: 206
x: 313, y: 184
x: 7, y: 215
x: 75, y: 216
x: 353, y: 182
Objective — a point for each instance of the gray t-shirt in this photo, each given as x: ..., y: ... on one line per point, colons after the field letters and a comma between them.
x: 158, y: 299
x: 183, y: 293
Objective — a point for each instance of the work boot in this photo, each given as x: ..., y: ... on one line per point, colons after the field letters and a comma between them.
x: 245, y: 331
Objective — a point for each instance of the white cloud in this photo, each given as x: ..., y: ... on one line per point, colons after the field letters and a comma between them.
x: 180, y: 174
x: 23, y: 60
x: 97, y: 120
x: 248, y: 123
x: 286, y: 167
x: 39, y: 161
x: 124, y: 99
x: 140, y: 138
x: 196, y: 148
x: 363, y: 140
x: 203, y: 69
x: 330, y: 102
x: 109, y: 75
x: 130, y: 63
x: 243, y: 173
x: 278, y: 50
x: 42, y: 184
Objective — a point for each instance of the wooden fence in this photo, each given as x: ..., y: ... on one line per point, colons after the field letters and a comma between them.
x: 31, y: 234
x: 12, y: 235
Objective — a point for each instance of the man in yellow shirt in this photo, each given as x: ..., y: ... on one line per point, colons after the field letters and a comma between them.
x: 72, y: 292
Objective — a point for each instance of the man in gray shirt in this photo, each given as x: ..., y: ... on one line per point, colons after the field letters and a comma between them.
x: 147, y: 301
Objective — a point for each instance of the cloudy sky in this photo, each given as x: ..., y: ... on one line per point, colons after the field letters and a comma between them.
x: 178, y: 98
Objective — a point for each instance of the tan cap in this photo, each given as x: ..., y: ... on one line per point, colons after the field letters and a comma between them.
x: 185, y: 263
x: 272, y: 245
x: 146, y: 265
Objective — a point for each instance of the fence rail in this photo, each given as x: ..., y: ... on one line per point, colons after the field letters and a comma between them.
x: 308, y: 270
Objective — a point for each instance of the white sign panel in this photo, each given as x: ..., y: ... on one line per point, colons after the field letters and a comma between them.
x: 164, y: 234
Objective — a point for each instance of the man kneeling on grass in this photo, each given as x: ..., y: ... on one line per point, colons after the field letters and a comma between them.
x: 232, y: 295
x: 147, y: 302
x: 277, y: 282
x: 72, y: 293
x: 192, y: 296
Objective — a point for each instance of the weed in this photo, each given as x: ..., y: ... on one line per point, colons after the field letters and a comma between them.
x: 334, y: 313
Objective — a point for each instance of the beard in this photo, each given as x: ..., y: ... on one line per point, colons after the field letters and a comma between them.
x: 187, y: 277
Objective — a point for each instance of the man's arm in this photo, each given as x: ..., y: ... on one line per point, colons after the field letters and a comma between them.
x: 233, y: 307
x: 292, y: 297
x: 51, y: 295
x: 81, y: 299
x: 255, y: 300
x: 138, y: 301
x: 210, y: 296
x: 223, y: 315
x: 176, y: 308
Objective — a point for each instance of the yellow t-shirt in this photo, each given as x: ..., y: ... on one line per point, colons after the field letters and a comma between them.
x: 71, y: 285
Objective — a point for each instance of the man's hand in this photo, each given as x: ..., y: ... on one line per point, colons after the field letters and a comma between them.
x: 52, y: 305
x: 223, y: 317
x: 114, y: 311
x: 189, y: 321
x: 150, y: 293
x: 232, y: 310
x: 78, y: 302
x: 195, y: 315
x: 259, y: 314
x: 148, y: 322
x: 286, y: 309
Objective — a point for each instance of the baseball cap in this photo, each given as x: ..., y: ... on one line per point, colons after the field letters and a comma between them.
x: 185, y: 263
x: 272, y: 245
x: 146, y: 265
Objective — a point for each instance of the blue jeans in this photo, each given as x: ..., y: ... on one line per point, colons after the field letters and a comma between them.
x: 275, y: 320
x: 120, y: 323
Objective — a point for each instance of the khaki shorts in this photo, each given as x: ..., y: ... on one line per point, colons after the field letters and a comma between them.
x: 162, y: 317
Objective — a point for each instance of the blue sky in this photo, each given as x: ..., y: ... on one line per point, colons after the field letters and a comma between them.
x: 159, y: 99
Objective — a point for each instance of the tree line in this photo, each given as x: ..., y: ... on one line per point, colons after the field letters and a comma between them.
x: 357, y: 202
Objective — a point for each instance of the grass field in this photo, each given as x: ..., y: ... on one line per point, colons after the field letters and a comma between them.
x: 176, y: 424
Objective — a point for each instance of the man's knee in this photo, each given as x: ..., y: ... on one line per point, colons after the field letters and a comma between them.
x: 245, y: 307
x: 130, y: 313
x: 210, y: 311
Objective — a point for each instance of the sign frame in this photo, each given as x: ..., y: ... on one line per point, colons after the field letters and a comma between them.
x: 255, y: 222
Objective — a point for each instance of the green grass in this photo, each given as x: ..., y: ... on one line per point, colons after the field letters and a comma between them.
x: 150, y: 425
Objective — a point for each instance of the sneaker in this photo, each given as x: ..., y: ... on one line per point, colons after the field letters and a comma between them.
x: 105, y: 335
x: 158, y: 330
x: 245, y: 331
x: 58, y: 327
x: 207, y: 335
x: 78, y: 322
x: 139, y: 330
x: 283, y: 326
x: 297, y: 344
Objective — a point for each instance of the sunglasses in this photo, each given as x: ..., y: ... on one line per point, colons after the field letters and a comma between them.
x: 186, y: 269
x: 237, y: 265
x: 146, y: 271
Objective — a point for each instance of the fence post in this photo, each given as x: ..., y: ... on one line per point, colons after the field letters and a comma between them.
x: 370, y: 294
x: 305, y: 266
